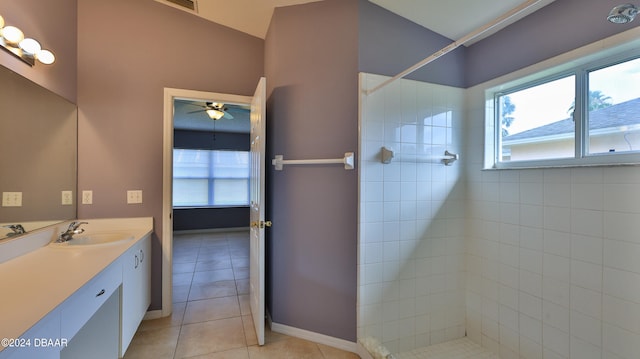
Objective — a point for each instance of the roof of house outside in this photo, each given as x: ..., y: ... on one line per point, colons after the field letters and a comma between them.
x: 625, y: 113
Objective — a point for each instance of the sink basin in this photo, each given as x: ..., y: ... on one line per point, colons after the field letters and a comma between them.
x: 93, y: 239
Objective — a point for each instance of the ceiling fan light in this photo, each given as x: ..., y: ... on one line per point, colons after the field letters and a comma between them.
x: 12, y: 35
x: 1, y: 22
x: 215, y: 114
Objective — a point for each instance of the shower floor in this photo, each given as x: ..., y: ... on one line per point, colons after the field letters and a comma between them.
x: 463, y: 348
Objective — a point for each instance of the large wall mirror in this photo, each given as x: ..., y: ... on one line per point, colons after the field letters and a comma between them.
x: 38, y: 155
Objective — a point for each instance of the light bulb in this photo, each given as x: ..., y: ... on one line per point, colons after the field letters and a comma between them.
x: 215, y: 114
x: 12, y: 35
x: 1, y: 22
x: 46, y: 57
x: 30, y: 46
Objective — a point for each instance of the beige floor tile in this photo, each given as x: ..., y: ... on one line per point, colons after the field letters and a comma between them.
x: 240, y: 262
x: 207, y: 265
x: 291, y: 348
x: 213, y: 276
x: 182, y: 278
x: 245, y: 304
x: 181, y: 293
x: 241, y: 353
x: 213, y: 253
x: 249, y: 330
x: 238, y: 253
x: 242, y: 285
x: 333, y: 353
x: 241, y: 273
x: 186, y: 256
x: 153, y: 344
x: 211, y: 309
x: 175, y: 319
x: 188, y: 267
x: 210, y: 337
x: 212, y: 290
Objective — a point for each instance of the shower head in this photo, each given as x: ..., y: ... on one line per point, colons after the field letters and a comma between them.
x: 622, y: 14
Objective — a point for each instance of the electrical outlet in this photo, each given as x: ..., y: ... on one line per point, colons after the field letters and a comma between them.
x: 87, y: 197
x: 134, y: 197
x: 11, y: 199
x: 67, y: 198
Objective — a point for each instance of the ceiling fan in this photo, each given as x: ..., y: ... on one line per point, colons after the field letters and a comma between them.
x: 215, y: 110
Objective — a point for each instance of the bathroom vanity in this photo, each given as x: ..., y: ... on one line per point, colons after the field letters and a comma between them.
x: 82, y: 299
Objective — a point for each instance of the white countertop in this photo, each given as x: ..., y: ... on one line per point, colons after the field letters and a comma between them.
x: 35, y: 283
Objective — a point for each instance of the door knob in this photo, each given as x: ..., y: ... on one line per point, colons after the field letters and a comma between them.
x: 261, y: 224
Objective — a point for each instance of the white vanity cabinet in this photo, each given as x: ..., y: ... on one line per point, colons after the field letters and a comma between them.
x: 83, y: 301
x: 32, y: 344
x: 80, y: 307
x: 136, y: 289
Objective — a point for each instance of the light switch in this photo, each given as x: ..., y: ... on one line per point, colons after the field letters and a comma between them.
x: 134, y: 197
x: 11, y: 199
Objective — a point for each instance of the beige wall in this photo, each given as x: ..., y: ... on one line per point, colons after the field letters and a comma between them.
x: 128, y: 51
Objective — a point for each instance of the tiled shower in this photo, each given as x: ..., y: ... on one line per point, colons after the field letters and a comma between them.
x: 529, y: 264
x: 412, y: 213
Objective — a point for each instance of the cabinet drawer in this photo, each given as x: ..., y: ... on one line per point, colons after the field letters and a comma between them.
x: 79, y: 308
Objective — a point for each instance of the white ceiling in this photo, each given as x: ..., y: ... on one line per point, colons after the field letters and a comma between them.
x: 451, y: 18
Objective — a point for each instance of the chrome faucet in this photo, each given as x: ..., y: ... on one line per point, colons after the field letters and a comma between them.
x: 74, y: 228
x: 17, y: 229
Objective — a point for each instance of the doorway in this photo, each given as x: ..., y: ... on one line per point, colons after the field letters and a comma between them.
x: 206, y: 102
x: 184, y: 97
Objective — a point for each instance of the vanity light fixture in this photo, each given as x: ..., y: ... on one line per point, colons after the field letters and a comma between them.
x: 26, y: 49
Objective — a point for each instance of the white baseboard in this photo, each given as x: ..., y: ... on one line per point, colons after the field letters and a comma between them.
x: 212, y: 230
x: 362, y: 352
x: 314, y: 337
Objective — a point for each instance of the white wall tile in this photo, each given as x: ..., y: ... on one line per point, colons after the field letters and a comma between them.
x: 622, y: 255
x: 555, y: 340
x: 555, y: 315
x: 621, y: 313
x: 587, y: 248
x: 557, y: 218
x: 586, y: 275
x: 586, y: 328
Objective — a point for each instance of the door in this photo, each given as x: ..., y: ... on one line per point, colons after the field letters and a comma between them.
x: 258, y: 224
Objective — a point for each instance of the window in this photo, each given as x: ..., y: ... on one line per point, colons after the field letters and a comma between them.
x: 585, y: 115
x: 207, y: 178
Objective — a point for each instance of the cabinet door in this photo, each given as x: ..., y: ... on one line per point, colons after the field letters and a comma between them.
x: 136, y: 289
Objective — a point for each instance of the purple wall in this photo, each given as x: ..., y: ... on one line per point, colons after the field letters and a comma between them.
x: 127, y: 54
x: 53, y: 24
x: 390, y: 44
x: 311, y: 65
x: 562, y: 26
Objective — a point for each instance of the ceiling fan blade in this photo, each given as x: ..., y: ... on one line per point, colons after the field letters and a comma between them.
x: 227, y: 116
x: 196, y: 111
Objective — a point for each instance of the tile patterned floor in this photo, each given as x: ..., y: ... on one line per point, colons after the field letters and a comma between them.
x: 463, y: 348
x: 211, y: 314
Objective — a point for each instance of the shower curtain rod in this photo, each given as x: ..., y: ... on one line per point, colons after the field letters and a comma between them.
x: 454, y: 45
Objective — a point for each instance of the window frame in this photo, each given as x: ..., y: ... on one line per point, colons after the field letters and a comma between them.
x: 581, y: 67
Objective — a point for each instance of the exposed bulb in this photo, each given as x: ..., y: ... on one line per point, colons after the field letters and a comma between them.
x: 30, y: 46
x: 46, y: 57
x: 1, y: 22
x: 12, y: 35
